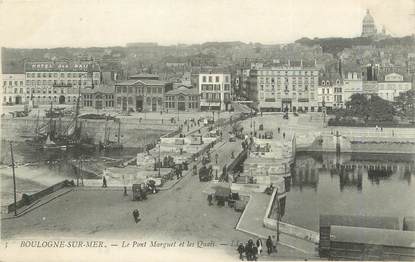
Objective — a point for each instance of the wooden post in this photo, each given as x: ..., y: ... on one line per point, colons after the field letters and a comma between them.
x: 119, y: 131
x: 14, y: 179
x: 278, y: 216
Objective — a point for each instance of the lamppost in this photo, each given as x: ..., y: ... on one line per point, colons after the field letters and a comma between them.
x: 251, y: 118
x: 14, y: 179
x: 324, y: 112
x: 178, y: 112
x: 278, y: 215
x: 159, y: 158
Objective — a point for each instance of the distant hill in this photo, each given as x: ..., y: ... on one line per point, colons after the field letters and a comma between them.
x: 336, y: 45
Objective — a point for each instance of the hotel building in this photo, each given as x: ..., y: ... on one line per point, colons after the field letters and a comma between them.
x: 285, y: 88
x: 59, y: 81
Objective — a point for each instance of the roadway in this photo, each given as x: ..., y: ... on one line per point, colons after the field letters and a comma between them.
x: 180, y: 213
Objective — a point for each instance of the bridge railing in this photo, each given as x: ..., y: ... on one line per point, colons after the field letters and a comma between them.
x: 386, y: 133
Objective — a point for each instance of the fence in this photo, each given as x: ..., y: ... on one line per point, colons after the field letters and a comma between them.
x: 385, y: 133
x: 28, y: 199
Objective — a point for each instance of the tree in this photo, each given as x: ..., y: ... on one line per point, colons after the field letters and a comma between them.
x: 380, y: 109
x: 404, y: 103
x: 358, y: 106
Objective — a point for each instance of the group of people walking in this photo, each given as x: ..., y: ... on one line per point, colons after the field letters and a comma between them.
x: 253, y: 250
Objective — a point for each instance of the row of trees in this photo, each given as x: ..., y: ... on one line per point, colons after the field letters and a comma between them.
x: 365, y: 109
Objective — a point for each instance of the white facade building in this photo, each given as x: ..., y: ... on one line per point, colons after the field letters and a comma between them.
x: 287, y: 88
x: 329, y: 92
x: 14, y: 89
x: 215, y: 91
x: 392, y: 86
x: 352, y: 84
x: 59, y: 81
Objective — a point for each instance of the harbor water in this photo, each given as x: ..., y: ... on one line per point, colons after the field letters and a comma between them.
x: 38, y: 169
x: 349, y: 184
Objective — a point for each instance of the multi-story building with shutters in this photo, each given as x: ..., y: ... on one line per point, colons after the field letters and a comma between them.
x: 59, y: 81
x: 14, y: 89
x: 215, y: 91
x: 285, y: 88
x: 392, y: 86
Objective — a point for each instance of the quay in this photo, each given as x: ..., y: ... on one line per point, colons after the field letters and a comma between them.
x: 181, y: 204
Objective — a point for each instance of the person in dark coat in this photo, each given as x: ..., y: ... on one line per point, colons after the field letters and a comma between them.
x: 254, y: 255
x: 241, y: 251
x: 269, y: 245
x: 104, y: 182
x: 248, y: 251
x: 136, y: 215
x: 210, y: 199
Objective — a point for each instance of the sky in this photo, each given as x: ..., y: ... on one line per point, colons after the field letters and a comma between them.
x: 83, y: 23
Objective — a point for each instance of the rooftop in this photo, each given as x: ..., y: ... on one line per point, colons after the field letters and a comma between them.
x: 183, y: 90
x: 144, y: 76
x: 61, y: 66
x: 98, y: 89
x: 149, y: 82
x: 373, y: 236
x: 360, y: 221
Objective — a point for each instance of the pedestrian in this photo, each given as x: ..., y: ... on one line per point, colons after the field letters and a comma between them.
x: 393, y: 133
x: 255, y: 251
x: 241, y: 251
x: 377, y: 128
x: 269, y: 245
x: 210, y: 199
x: 283, y: 135
x: 381, y: 129
x: 104, y: 180
x: 248, y: 251
x: 259, y: 245
x: 278, y: 130
x: 125, y: 186
x: 136, y: 215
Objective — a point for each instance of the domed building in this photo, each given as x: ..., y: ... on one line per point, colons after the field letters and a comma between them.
x: 368, y: 25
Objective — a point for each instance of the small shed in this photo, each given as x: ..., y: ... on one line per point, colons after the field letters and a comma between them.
x: 409, y: 223
x: 326, y: 221
x: 363, y: 243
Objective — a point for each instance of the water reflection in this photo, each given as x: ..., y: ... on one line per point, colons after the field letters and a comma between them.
x: 304, y: 177
x: 349, y: 184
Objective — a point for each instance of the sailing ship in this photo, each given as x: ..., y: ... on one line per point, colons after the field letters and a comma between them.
x: 108, y: 144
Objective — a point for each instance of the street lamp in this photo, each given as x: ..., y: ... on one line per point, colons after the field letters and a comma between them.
x: 159, y: 158
x: 178, y: 117
x: 251, y: 118
x: 278, y: 215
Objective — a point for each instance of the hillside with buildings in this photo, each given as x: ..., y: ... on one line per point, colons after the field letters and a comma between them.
x: 308, y: 75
